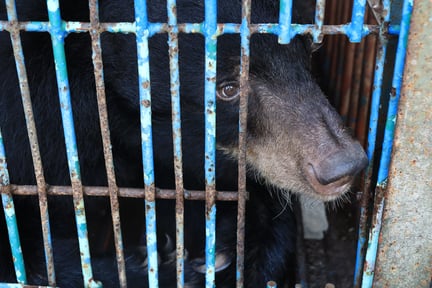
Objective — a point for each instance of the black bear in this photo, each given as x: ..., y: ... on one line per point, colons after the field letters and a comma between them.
x: 296, y: 143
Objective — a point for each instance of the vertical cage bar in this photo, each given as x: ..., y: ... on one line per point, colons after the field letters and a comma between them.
x: 244, y: 93
x: 210, y: 31
x: 373, y: 126
x: 355, y: 29
x: 106, y: 140
x: 34, y: 145
x: 142, y: 34
x: 371, y: 252
x: 57, y: 38
x: 176, y: 129
x: 406, y: 231
x: 285, y: 16
x: 10, y: 217
x: 319, y: 21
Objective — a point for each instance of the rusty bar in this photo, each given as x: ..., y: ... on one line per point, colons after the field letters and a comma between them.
x: 406, y: 225
x: 371, y: 144
x: 10, y: 218
x: 98, y: 191
x: 383, y: 171
x: 176, y: 129
x: 142, y: 34
x: 57, y: 37
x: 106, y: 141
x: 155, y: 28
x: 244, y: 92
x: 210, y: 33
x: 32, y: 135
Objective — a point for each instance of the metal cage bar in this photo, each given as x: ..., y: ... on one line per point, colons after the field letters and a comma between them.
x: 243, y: 109
x: 381, y: 186
x: 32, y: 135
x: 106, y: 141
x: 143, y: 29
x: 210, y: 33
x: 10, y: 217
x: 176, y: 129
x: 285, y: 17
x: 317, y: 34
x: 371, y: 144
x: 357, y: 19
x: 142, y: 35
x: 57, y: 37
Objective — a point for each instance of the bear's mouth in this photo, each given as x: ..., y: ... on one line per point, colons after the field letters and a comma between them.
x: 328, y: 191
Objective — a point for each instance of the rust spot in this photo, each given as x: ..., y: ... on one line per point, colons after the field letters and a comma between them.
x: 393, y: 92
x: 146, y: 84
x: 146, y: 103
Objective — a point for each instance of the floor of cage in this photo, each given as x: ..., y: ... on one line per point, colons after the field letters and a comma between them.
x: 332, y: 259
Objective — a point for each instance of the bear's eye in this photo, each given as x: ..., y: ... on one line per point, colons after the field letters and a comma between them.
x: 228, y: 91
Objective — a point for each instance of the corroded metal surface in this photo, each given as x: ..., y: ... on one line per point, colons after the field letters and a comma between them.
x: 210, y: 33
x: 32, y: 135
x: 405, y: 248
x: 176, y: 130
x: 142, y: 34
x: 243, y: 109
x: 380, y: 196
x: 123, y: 192
x: 106, y: 141
x: 57, y: 37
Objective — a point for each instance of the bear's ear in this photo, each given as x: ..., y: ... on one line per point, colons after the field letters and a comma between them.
x: 223, y: 260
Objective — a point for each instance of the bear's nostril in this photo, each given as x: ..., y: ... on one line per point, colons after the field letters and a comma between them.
x: 337, y: 166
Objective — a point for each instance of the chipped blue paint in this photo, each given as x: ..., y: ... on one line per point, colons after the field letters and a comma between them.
x: 210, y: 33
x: 285, y: 21
x: 10, y: 217
x: 319, y: 21
x: 176, y: 128
x: 371, y: 144
x: 355, y: 31
x: 372, y: 250
x: 142, y: 34
x: 57, y: 37
x: 210, y: 247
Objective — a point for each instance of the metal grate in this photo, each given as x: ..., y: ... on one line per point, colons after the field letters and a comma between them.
x: 355, y: 30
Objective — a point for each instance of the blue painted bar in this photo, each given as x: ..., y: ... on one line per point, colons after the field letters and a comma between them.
x: 355, y: 32
x: 285, y: 11
x: 371, y: 253
x: 57, y: 37
x: 142, y: 34
x: 371, y: 144
x: 319, y: 21
x: 10, y: 217
x: 210, y: 30
x: 176, y: 129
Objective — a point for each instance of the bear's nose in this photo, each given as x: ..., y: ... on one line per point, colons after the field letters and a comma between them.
x: 339, y: 165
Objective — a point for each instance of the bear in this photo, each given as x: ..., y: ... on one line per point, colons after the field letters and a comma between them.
x: 296, y: 143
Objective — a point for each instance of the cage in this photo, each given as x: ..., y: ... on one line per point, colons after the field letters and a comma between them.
x: 360, y: 65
